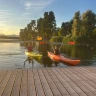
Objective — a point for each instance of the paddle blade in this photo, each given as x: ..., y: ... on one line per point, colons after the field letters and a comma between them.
x: 39, y: 38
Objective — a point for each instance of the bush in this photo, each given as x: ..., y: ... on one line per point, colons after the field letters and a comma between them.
x: 56, y: 39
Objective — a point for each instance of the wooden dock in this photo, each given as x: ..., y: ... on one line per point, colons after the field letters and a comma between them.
x: 70, y: 81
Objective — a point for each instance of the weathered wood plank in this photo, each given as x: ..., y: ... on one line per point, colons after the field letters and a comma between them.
x: 38, y: 84
x: 57, y: 90
x: 4, y: 81
x: 68, y: 84
x: 82, y: 84
x: 31, y: 84
x: 9, y: 85
x: 23, y: 85
x: 70, y: 81
x: 2, y: 75
x: 44, y: 82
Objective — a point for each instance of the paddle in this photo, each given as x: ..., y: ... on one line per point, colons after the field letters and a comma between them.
x: 59, y: 47
x: 39, y: 38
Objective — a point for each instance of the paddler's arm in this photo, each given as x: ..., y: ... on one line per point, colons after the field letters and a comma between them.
x: 61, y: 46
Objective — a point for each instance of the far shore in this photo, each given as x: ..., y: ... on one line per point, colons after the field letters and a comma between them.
x: 19, y: 41
x: 9, y: 40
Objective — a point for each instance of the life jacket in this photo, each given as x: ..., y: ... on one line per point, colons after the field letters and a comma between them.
x: 30, y: 49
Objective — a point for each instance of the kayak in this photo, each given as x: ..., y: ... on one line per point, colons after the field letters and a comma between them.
x: 33, y: 55
x: 38, y: 57
x: 60, y: 58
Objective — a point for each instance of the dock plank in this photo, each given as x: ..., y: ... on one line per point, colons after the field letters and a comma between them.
x: 88, y: 89
x: 4, y: 82
x: 44, y: 82
x: 57, y: 83
x: 70, y: 81
x: 38, y: 83
x: 24, y: 81
x: 17, y: 83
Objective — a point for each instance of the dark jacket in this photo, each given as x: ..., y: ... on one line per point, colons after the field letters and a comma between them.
x: 56, y: 52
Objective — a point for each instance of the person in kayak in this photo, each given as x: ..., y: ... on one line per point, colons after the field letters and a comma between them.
x: 56, y: 51
x: 30, y: 47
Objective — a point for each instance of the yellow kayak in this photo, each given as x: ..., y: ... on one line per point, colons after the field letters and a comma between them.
x: 33, y: 54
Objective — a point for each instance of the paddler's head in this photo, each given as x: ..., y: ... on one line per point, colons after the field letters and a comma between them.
x: 56, y: 47
x: 29, y: 44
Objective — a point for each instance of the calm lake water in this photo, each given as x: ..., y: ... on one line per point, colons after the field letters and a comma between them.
x: 12, y: 55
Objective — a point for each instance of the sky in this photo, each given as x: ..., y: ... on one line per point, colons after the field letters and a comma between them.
x: 16, y: 14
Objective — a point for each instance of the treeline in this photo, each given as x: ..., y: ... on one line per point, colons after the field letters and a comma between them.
x: 81, y: 29
x: 6, y: 37
x: 41, y: 27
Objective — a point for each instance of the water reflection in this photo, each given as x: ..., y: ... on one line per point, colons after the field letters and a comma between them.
x: 45, y: 61
x: 85, y: 53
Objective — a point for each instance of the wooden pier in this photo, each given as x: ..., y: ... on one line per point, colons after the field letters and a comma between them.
x: 70, y: 81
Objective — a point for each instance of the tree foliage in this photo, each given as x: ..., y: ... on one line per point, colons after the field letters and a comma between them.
x: 39, y: 26
x: 80, y: 29
x: 88, y: 23
x: 47, y: 25
x: 66, y: 28
x: 60, y: 32
x: 76, y: 26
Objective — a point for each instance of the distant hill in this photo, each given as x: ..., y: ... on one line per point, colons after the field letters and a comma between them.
x: 2, y: 36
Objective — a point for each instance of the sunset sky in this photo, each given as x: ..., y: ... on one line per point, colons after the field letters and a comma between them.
x: 16, y: 14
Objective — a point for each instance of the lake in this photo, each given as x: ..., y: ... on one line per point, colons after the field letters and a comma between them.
x: 12, y: 55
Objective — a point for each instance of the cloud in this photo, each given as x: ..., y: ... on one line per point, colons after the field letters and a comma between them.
x: 28, y: 5
x: 37, y: 4
x: 11, y: 21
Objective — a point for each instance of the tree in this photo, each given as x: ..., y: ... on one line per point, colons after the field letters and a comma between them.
x: 94, y: 35
x: 29, y: 28
x: 60, y: 32
x: 21, y: 34
x: 55, y: 33
x: 70, y: 26
x: 32, y: 27
x: 76, y: 26
x: 47, y: 24
x: 33, y: 24
x: 52, y: 23
x: 39, y: 25
x: 66, y: 28
x: 29, y: 36
x: 25, y: 34
x: 63, y: 30
x: 88, y: 23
